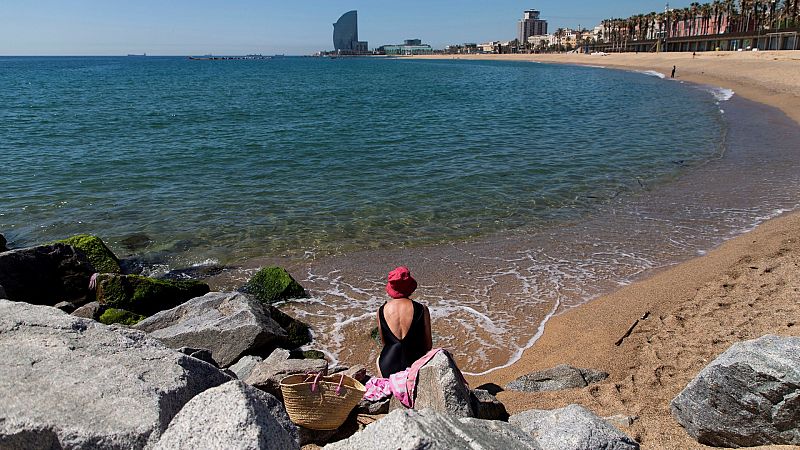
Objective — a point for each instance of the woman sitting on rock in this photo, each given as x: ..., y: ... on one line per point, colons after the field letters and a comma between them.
x: 403, y: 325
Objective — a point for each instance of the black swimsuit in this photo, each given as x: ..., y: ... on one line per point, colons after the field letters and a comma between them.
x: 398, y: 354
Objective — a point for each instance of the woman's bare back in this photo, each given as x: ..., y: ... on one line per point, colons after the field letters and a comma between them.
x: 399, y: 314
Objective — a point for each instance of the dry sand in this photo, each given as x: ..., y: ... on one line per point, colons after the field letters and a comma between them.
x: 748, y: 287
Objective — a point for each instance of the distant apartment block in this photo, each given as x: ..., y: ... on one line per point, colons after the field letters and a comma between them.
x: 466, y: 48
x: 531, y: 25
x: 542, y: 41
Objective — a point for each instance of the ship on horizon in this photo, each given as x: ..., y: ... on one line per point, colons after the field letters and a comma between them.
x: 142, y: 55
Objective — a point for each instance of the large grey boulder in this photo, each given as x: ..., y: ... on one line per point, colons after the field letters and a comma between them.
x: 202, y: 354
x: 267, y: 375
x: 231, y: 416
x: 748, y: 396
x: 430, y: 430
x: 487, y: 406
x: 440, y: 388
x: 67, y: 382
x: 373, y: 408
x: 557, y: 378
x: 46, y: 275
x: 572, y: 427
x: 244, y: 367
x: 90, y: 310
x: 228, y: 324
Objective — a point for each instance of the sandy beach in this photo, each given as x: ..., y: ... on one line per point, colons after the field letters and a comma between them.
x: 746, y: 288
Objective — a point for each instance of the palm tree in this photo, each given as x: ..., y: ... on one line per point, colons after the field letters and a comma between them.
x: 705, y: 13
x: 559, y: 34
x: 716, y: 10
x: 730, y: 13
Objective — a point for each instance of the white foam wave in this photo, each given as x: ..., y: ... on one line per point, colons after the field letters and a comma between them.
x: 206, y: 262
x: 518, y: 354
x: 652, y: 73
x: 758, y: 220
x: 721, y: 94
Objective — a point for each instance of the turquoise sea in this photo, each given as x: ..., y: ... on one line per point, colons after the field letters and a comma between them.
x: 513, y: 190
x: 247, y: 158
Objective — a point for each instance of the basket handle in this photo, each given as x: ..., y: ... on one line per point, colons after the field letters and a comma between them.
x: 316, y: 381
x: 339, y: 387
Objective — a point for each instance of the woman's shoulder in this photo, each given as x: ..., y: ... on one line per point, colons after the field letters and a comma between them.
x: 420, y: 308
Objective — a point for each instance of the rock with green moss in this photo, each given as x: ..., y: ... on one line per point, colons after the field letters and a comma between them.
x: 313, y: 354
x: 101, y: 257
x: 120, y: 316
x: 145, y: 296
x: 273, y: 284
x: 298, y: 333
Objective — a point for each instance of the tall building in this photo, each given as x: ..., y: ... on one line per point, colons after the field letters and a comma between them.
x: 345, y: 34
x: 531, y: 25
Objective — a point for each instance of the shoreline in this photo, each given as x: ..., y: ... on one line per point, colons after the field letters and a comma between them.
x: 749, y: 74
x: 357, y: 282
x: 742, y: 289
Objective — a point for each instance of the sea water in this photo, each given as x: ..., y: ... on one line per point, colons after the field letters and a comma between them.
x: 513, y: 190
x: 246, y: 158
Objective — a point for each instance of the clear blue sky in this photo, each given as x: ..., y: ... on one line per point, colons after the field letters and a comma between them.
x: 182, y: 27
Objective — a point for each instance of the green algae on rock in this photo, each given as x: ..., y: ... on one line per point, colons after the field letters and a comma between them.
x: 273, y: 284
x: 375, y: 336
x: 100, y: 256
x: 143, y: 295
x: 298, y: 332
x: 120, y: 316
x: 313, y: 354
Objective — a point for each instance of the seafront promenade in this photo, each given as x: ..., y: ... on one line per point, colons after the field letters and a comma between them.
x: 688, y: 314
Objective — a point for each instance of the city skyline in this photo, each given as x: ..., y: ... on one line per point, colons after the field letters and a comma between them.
x: 93, y: 27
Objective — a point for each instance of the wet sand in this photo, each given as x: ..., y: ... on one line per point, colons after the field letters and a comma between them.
x: 747, y: 287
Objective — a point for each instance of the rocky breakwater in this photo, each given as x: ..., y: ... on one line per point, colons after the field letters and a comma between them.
x: 228, y: 324
x: 81, y: 271
x: 72, y: 382
x: 68, y: 382
x: 447, y: 414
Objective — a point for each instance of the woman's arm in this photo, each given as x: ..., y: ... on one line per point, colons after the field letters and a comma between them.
x: 428, y: 335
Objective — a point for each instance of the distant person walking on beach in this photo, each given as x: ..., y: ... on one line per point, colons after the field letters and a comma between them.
x: 673, y: 72
x: 404, y: 325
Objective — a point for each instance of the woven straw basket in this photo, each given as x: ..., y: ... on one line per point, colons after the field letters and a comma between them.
x: 320, y: 402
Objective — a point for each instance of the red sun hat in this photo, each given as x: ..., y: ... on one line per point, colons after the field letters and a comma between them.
x: 401, y: 284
